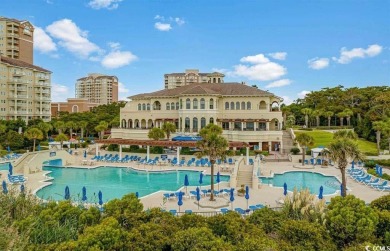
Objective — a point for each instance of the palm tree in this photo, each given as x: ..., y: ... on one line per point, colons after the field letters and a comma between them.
x: 214, y: 145
x: 103, y: 125
x: 345, y: 134
x: 290, y: 121
x: 387, y: 131
x: 307, y: 112
x: 3, y: 128
x: 156, y: 133
x: 286, y: 112
x: 45, y: 128
x: 304, y: 141
x: 71, y: 125
x: 340, y: 151
x: 348, y: 113
x: 168, y: 128
x: 317, y: 114
x: 341, y: 115
x: 328, y: 114
x: 34, y: 134
x: 61, y: 138
x: 60, y: 126
x: 83, y: 125
x: 379, y: 127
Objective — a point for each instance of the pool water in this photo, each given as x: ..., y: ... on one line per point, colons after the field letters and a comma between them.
x: 114, y: 182
x: 302, y: 180
x: 4, y: 166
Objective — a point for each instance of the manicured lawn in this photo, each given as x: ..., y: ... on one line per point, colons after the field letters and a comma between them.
x: 322, y: 138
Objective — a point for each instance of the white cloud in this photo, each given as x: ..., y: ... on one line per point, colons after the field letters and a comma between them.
x: 116, y: 59
x: 287, y: 100
x: 114, y: 45
x: 346, y: 56
x: 104, y: 4
x: 278, y: 83
x: 302, y: 94
x: 262, y: 70
x: 158, y: 17
x: 162, y: 26
x: 123, y: 91
x: 318, y: 63
x: 72, y: 38
x: 179, y: 21
x: 278, y: 55
x: 43, y: 42
x: 59, y: 93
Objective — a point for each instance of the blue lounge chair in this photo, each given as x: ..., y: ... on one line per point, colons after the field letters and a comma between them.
x: 240, y: 211
x: 188, y: 211
x: 173, y: 212
x: 251, y: 162
x: 379, y: 186
x: 224, y: 210
x: 371, y: 183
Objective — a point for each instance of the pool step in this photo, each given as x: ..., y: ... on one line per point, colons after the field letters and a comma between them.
x: 244, y: 175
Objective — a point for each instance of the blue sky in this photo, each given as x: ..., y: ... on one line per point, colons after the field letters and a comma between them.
x: 286, y: 47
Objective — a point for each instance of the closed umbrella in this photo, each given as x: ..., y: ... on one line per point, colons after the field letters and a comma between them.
x: 376, y: 169
x: 247, y: 196
x: 10, y: 168
x: 218, y: 179
x: 320, y: 195
x: 380, y: 171
x: 353, y: 165
x: 341, y: 189
x: 85, y: 154
x: 8, y: 149
x: 137, y: 195
x: 200, y: 179
x: 180, y: 200
x: 84, y: 197
x: 22, y: 188
x: 231, y: 197
x: 100, y: 196
x: 67, y: 193
x: 186, y: 183
x: 285, y: 188
x: 5, y: 190
x: 39, y: 147
x: 198, y: 195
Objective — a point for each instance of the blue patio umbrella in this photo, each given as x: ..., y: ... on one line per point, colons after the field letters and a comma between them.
x: 100, y: 196
x: 376, y: 169
x: 180, y: 200
x: 353, y: 165
x: 285, y: 188
x: 85, y: 154
x: 247, y: 196
x: 231, y: 196
x: 218, y: 179
x: 341, y: 189
x: 39, y: 147
x: 8, y: 149
x: 10, y: 168
x: 186, y: 183
x: 67, y: 193
x: 380, y: 171
x: 198, y: 195
x: 84, y: 197
x: 5, y: 190
x: 22, y: 188
x: 320, y: 195
x: 137, y: 195
x: 201, y: 179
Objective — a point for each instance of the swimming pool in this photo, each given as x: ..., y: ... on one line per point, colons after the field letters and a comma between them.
x: 302, y: 180
x: 114, y: 182
x: 4, y: 166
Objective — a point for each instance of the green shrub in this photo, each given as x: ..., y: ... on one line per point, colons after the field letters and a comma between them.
x: 383, y: 227
x: 295, y: 150
x: 84, y: 144
x: 370, y: 153
x: 113, y: 147
x: 157, y: 150
x: 44, y: 143
x: 369, y: 164
x: 382, y: 203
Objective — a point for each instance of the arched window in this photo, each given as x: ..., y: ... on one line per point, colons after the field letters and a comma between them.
x: 130, y: 124
x: 214, y: 80
x: 202, y: 123
x: 262, y: 105
x: 195, y: 104
x: 173, y: 106
x: 144, y: 107
x: 75, y: 108
x: 248, y: 105
x: 156, y: 105
x: 211, y: 103
x: 195, y: 124
x: 168, y: 106
x: 242, y: 105
x: 226, y: 105
x: 188, y: 104
x: 211, y: 120
x: 231, y: 105
x: 148, y: 107
x: 237, y: 105
x: 187, y: 124
x: 177, y: 105
x: 202, y: 104
x: 123, y: 123
x: 219, y: 80
x: 139, y: 107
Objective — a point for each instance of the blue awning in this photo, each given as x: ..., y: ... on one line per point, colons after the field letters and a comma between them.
x: 187, y: 138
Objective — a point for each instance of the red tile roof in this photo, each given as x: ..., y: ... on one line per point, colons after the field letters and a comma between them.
x: 19, y: 63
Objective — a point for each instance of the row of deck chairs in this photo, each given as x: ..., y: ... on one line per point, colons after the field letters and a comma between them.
x: 9, y: 157
x: 360, y: 175
x: 16, y: 179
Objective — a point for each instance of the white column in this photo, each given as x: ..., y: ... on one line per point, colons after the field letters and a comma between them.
x: 120, y: 151
x: 267, y: 126
x: 97, y: 149
x: 281, y: 146
x: 147, y: 153
x: 242, y: 126
x: 247, y: 155
x: 269, y: 146
x: 178, y: 153
x: 261, y: 146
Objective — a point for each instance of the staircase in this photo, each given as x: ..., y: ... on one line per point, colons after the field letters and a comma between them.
x: 244, y: 176
x: 288, y: 142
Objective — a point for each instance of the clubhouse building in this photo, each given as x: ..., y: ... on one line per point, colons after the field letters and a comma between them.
x: 246, y: 114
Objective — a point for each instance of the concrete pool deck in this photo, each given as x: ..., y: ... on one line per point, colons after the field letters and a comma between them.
x: 265, y: 195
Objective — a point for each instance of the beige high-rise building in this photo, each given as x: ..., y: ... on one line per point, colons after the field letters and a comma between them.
x: 16, y: 39
x: 191, y: 76
x: 98, y: 88
x: 25, y: 90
